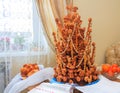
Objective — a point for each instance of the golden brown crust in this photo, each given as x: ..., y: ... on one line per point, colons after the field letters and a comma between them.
x: 28, y: 69
x: 75, y: 51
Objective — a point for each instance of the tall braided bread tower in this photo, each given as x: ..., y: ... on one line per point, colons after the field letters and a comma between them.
x: 75, y: 51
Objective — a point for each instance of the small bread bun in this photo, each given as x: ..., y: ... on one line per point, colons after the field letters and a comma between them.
x: 28, y: 69
x: 32, y: 72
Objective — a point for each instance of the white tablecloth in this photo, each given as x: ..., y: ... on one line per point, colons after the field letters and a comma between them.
x: 103, y: 86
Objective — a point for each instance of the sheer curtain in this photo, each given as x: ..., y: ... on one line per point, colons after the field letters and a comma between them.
x: 21, y: 38
x: 48, y: 10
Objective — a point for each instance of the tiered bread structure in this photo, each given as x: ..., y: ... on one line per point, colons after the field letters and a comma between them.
x: 75, y: 52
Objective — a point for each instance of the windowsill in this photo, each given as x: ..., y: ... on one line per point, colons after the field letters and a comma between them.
x: 22, y: 53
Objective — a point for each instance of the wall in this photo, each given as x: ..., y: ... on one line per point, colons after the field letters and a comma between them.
x: 106, y: 23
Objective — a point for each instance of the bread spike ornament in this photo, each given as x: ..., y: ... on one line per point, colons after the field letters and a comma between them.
x: 75, y: 51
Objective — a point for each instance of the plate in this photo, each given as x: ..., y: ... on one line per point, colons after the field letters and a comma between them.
x: 53, y: 80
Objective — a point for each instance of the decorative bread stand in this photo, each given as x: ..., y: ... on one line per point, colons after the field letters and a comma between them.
x: 75, y: 51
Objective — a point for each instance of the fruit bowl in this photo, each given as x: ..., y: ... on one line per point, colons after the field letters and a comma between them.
x: 112, y: 72
x: 113, y: 78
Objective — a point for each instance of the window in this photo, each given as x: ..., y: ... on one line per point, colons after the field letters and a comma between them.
x: 20, y: 35
x: 19, y: 27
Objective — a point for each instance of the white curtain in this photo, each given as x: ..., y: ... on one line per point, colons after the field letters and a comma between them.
x: 21, y: 38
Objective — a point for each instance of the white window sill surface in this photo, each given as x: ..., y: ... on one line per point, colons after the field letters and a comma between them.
x: 22, y: 53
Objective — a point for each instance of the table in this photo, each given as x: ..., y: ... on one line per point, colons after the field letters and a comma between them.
x: 103, y: 86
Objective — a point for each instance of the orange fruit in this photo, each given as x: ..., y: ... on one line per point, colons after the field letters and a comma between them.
x: 118, y: 69
x: 114, y: 65
x: 110, y: 73
x: 105, y: 67
x: 114, y: 69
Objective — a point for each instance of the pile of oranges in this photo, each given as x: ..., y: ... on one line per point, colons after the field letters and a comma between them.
x: 110, y: 70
